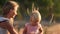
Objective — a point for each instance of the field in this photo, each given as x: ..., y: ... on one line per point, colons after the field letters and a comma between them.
x: 52, y: 29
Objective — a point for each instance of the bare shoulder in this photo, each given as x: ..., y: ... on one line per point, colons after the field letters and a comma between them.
x: 27, y: 24
x: 40, y: 25
x: 2, y: 19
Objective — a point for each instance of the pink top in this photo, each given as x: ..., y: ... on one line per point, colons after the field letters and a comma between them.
x: 32, y: 29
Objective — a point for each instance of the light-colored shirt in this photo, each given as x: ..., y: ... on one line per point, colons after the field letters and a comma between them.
x: 3, y: 31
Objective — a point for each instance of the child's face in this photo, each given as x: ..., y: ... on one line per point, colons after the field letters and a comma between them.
x: 33, y: 20
x: 13, y: 12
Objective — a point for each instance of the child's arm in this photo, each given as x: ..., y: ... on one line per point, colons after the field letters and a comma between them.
x: 40, y: 30
x: 25, y: 30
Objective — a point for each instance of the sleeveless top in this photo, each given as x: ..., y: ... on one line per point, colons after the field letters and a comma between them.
x: 32, y: 29
x: 3, y: 31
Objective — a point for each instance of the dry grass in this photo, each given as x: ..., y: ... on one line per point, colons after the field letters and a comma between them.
x: 55, y: 29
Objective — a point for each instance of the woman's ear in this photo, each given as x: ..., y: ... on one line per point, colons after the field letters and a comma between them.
x: 11, y: 10
x: 10, y: 13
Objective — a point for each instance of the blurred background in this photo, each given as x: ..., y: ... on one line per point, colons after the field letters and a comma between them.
x: 49, y: 9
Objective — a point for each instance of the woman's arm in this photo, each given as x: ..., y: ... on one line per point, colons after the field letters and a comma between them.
x: 11, y: 29
x: 7, y: 26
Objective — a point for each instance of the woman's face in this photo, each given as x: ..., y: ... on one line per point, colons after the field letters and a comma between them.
x: 13, y: 12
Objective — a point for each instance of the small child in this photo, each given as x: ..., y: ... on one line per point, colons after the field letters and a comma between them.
x: 34, y: 26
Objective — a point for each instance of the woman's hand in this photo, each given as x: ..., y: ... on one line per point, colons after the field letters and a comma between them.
x: 3, y: 25
x: 6, y: 25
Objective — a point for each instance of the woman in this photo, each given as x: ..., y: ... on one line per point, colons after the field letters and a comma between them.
x: 9, y: 12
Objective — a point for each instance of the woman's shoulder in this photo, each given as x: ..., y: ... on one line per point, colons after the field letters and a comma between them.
x: 3, y: 19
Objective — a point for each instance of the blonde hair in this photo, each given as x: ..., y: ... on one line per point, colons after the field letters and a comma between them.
x: 36, y: 15
x: 9, y: 5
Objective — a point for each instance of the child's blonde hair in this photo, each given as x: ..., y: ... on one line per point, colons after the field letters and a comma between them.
x: 9, y: 5
x: 36, y: 15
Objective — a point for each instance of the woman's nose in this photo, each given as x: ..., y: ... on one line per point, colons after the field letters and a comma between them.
x: 15, y: 13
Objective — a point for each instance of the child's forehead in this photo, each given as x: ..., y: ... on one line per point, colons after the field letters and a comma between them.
x: 34, y: 14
